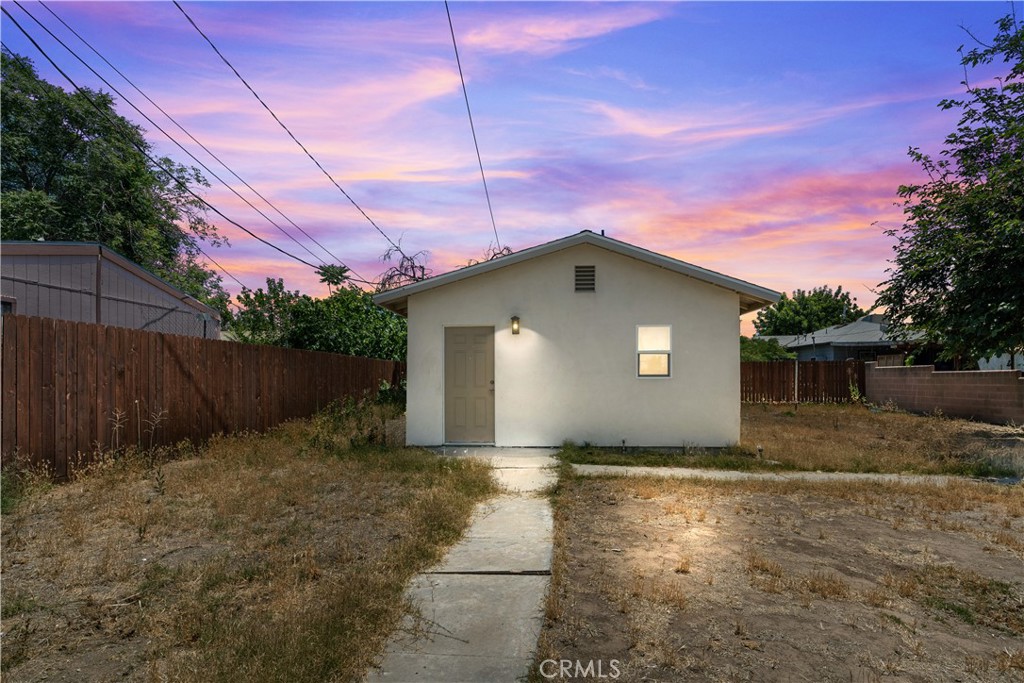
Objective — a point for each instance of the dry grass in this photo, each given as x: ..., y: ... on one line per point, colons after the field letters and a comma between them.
x: 855, y: 438
x: 277, y: 557
x: 788, y: 580
x: 842, y: 438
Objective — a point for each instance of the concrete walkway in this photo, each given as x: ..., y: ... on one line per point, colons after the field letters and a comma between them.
x: 731, y: 475
x: 483, y: 605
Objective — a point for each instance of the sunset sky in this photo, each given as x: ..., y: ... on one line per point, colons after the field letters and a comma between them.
x: 762, y: 140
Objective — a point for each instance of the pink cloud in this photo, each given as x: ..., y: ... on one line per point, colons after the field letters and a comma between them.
x: 680, y: 126
x: 736, y: 122
x: 550, y: 33
x: 622, y: 76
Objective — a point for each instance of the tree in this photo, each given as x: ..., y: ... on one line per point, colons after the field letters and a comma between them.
x: 264, y: 317
x: 346, y: 322
x: 807, y: 311
x: 958, y: 271
x: 333, y: 275
x: 763, y: 349
x: 408, y: 270
x: 73, y: 171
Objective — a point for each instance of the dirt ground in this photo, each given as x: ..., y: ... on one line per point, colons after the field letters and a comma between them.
x: 703, y: 581
x: 277, y: 557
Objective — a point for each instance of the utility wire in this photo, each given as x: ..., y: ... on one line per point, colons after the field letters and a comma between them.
x: 166, y: 134
x: 290, y: 134
x: 222, y: 268
x: 472, y: 128
x: 193, y: 138
x: 357, y: 277
x: 143, y: 151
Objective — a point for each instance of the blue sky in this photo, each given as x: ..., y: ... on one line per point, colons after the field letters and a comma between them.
x: 763, y: 140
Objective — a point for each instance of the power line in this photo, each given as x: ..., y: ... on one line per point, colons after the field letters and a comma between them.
x: 222, y: 268
x: 472, y: 128
x: 357, y: 277
x: 143, y: 151
x: 166, y: 134
x: 290, y: 134
x: 192, y: 137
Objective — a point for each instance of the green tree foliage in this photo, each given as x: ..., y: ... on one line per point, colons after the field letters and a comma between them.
x: 332, y: 274
x: 958, y: 271
x: 69, y: 172
x: 808, y: 311
x: 264, y: 317
x: 346, y: 322
x: 763, y: 349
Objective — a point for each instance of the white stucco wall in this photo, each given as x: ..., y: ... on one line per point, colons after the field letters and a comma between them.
x: 571, y: 372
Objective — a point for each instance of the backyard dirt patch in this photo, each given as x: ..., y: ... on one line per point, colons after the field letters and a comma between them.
x: 841, y: 437
x: 737, y: 581
x: 848, y: 437
x: 277, y: 557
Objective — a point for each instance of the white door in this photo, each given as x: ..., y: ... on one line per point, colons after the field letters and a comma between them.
x: 469, y: 385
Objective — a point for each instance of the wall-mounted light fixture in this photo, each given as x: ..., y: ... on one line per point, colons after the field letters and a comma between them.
x: 515, y: 324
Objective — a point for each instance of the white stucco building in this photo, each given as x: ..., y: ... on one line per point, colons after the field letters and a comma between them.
x: 584, y: 338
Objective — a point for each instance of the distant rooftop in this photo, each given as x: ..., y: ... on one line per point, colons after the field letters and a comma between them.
x: 871, y: 330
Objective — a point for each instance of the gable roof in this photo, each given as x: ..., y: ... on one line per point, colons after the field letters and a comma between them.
x: 870, y: 330
x: 752, y: 297
x: 102, y: 251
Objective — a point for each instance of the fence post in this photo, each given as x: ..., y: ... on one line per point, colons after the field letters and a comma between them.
x: 796, y: 381
x: 61, y: 380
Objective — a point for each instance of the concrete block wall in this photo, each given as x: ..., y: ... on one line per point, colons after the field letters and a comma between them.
x: 995, y: 396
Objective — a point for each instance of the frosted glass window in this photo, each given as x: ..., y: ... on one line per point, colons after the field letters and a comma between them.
x: 653, y: 338
x: 653, y: 350
x: 653, y: 364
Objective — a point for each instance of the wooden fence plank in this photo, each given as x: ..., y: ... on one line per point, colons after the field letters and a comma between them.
x: 71, y: 388
x: 225, y: 400
x: 71, y: 396
x: 86, y: 395
x: 175, y: 398
x: 24, y: 389
x: 154, y: 377
x: 9, y: 377
x: 812, y: 381
x: 47, y: 398
x: 61, y: 415
x: 253, y: 388
x: 166, y: 354
x: 132, y: 359
x: 200, y: 378
x: 122, y: 401
x: 239, y: 397
x: 35, y: 390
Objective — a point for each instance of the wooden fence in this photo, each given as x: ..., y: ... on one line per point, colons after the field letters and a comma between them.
x: 808, y: 381
x: 69, y: 387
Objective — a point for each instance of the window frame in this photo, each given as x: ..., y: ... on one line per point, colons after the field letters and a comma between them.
x: 653, y: 352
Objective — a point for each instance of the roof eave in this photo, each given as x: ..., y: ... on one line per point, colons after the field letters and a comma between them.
x: 34, y: 248
x: 752, y: 297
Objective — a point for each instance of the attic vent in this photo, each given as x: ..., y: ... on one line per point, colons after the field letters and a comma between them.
x: 586, y: 278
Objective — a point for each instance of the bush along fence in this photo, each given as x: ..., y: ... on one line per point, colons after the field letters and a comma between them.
x: 70, y: 388
x: 810, y: 381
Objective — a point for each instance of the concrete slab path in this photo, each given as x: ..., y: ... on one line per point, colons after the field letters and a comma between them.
x: 483, y: 605
x: 730, y: 475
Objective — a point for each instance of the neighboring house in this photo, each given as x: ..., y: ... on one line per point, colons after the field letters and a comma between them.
x: 863, y: 339
x: 1002, y: 362
x: 584, y: 338
x: 87, y: 282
